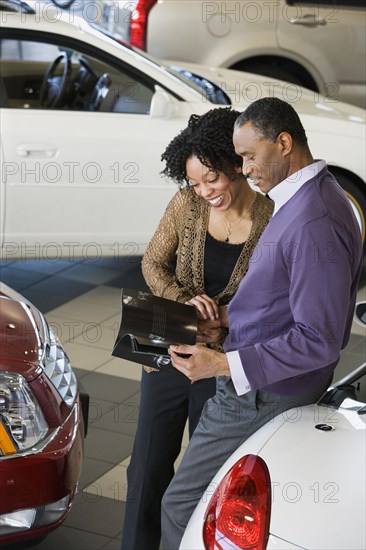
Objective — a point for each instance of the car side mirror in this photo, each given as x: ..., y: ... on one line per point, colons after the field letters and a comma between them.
x: 162, y: 103
x: 360, y: 313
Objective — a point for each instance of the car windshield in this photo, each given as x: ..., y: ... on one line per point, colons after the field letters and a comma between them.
x: 348, y: 392
x: 209, y: 90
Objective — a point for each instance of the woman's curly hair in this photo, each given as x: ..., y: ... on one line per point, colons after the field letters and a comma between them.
x: 210, y: 138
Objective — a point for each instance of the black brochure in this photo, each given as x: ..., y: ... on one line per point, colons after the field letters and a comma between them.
x: 149, y: 325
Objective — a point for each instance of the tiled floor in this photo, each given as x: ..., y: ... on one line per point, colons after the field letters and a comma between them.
x: 81, y: 300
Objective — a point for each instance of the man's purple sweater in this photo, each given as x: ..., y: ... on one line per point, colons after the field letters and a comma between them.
x: 292, y: 313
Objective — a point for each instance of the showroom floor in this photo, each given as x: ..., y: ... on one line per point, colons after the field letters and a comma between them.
x: 81, y: 300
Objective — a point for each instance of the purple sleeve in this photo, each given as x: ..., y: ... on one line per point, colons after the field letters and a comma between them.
x: 321, y: 264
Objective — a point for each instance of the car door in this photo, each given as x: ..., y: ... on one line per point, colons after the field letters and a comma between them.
x: 323, y: 33
x: 80, y: 172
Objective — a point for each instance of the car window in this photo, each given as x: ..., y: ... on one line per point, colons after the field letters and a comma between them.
x: 20, y: 50
x: 208, y: 89
x: 39, y: 75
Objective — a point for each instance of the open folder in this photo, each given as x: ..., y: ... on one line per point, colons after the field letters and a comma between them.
x: 149, y: 325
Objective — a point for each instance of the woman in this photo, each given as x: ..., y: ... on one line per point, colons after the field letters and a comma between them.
x: 198, y: 255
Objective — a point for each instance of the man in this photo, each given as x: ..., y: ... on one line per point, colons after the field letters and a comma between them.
x: 292, y: 313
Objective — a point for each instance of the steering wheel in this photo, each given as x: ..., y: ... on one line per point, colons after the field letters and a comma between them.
x: 100, y: 92
x: 64, y: 4
x: 53, y: 87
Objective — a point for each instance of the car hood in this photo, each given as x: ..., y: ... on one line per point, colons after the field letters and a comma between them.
x: 244, y: 88
x: 23, y: 334
x: 318, y: 475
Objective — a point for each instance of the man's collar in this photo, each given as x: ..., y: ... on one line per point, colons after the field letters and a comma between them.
x: 287, y: 188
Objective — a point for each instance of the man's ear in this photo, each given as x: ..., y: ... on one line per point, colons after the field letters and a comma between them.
x: 284, y: 140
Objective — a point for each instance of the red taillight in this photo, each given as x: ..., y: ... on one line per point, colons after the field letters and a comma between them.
x: 239, y: 510
x: 138, y: 24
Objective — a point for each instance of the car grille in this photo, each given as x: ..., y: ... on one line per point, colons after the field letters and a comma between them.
x: 58, y: 369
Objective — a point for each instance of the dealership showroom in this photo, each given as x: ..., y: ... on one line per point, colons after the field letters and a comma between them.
x: 91, y: 94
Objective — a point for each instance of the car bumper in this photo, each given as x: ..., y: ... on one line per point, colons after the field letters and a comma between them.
x: 37, y: 490
x: 193, y: 541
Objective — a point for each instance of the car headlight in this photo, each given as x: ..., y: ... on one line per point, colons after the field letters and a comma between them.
x: 57, y: 368
x: 22, y: 424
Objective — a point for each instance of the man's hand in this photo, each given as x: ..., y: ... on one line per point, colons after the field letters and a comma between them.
x: 203, y: 363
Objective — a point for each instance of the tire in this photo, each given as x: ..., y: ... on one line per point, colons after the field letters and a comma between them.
x: 357, y: 199
x: 278, y: 68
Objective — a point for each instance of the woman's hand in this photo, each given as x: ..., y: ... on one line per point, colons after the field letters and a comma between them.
x: 206, y: 307
x: 208, y: 332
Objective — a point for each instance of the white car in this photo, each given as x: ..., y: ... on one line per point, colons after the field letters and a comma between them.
x: 85, y: 119
x: 319, y: 44
x: 298, y: 483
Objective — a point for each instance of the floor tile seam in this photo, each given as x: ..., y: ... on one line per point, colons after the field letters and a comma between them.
x: 119, y: 479
x: 116, y: 413
x: 103, y: 331
x: 114, y: 539
x: 72, y: 528
x: 97, y: 302
x: 85, y: 280
x: 100, y: 366
x: 73, y: 323
x: 100, y: 299
x: 91, y: 482
x: 106, y: 462
x: 122, y: 262
x: 53, y: 274
x: 85, y: 372
x: 29, y: 286
x: 76, y: 340
x: 349, y: 350
x: 104, y: 430
x: 118, y: 379
x: 352, y: 360
x: 112, y: 462
x: 62, y: 297
x: 345, y: 352
x: 72, y: 317
x: 94, y: 532
x: 67, y: 301
x: 115, y: 432
x: 66, y: 319
x: 113, y: 498
x: 97, y: 371
x: 117, y: 402
x: 95, y: 285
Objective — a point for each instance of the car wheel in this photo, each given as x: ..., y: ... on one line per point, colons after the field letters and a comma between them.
x: 278, y: 68
x: 357, y: 199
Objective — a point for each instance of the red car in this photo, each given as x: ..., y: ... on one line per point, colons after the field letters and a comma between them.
x: 42, y: 424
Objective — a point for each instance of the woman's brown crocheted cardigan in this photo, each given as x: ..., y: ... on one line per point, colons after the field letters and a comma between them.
x: 182, y: 231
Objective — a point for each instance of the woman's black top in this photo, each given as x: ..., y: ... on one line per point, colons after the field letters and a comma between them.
x: 219, y: 262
